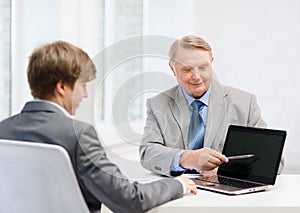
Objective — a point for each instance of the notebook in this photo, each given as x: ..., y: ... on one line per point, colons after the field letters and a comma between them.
x: 257, y: 171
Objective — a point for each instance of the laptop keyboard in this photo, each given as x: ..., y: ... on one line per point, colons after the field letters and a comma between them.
x: 229, y: 181
x: 236, y: 183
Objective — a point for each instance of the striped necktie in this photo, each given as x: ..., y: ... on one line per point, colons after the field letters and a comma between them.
x: 196, y: 129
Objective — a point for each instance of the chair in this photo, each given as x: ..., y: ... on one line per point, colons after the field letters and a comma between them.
x: 37, y: 177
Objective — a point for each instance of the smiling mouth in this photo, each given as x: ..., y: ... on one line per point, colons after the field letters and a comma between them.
x: 197, y: 84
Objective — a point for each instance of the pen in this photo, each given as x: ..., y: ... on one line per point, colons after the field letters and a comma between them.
x: 240, y: 156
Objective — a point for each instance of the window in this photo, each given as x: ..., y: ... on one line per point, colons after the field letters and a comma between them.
x: 5, y: 43
x: 123, y: 20
x: 131, y: 68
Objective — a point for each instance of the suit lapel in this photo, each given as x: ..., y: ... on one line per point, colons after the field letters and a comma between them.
x: 216, y: 113
x: 218, y: 105
x: 181, y: 113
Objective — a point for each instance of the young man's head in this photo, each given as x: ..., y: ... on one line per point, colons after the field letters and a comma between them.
x: 190, y: 59
x: 59, y: 72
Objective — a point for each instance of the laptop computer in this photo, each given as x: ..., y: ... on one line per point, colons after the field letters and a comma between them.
x: 256, y: 170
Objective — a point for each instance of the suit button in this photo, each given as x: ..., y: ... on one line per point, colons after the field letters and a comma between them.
x: 157, y: 168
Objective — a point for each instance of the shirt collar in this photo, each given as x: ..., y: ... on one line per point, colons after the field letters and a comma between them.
x: 56, y: 105
x: 204, y: 98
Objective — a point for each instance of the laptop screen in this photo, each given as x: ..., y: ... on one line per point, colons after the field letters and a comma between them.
x: 264, y: 145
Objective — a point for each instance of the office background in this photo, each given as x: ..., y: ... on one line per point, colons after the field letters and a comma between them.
x: 255, y: 43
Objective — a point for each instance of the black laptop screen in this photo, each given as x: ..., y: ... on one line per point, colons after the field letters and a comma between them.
x: 265, y: 144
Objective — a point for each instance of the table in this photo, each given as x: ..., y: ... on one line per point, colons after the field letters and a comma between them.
x: 283, y: 197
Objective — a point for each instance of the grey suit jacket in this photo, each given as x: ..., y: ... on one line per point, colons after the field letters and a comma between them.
x: 100, y: 180
x: 168, y: 118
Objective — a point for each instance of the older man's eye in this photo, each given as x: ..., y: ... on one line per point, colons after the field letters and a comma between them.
x: 186, y: 69
x: 203, y: 68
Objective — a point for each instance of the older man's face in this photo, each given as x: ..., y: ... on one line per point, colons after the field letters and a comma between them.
x: 193, y: 70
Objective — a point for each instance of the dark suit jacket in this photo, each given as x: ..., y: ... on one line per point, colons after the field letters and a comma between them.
x: 100, y: 180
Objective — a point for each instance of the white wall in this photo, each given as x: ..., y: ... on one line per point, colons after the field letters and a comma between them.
x: 256, y: 46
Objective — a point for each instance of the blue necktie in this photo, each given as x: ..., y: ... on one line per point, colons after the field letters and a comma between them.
x: 196, y: 129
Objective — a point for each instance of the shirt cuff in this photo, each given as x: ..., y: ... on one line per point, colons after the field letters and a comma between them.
x: 175, y: 163
x: 184, y: 188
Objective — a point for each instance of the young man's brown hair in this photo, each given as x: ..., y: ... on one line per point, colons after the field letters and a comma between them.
x: 58, y: 61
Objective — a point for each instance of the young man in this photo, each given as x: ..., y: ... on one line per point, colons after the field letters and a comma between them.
x: 57, y: 76
x: 168, y: 145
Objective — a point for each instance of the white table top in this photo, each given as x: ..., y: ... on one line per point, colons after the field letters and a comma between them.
x: 283, y: 197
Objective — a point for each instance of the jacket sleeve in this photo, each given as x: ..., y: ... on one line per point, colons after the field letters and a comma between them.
x: 102, y: 180
x: 154, y: 154
x: 254, y: 118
